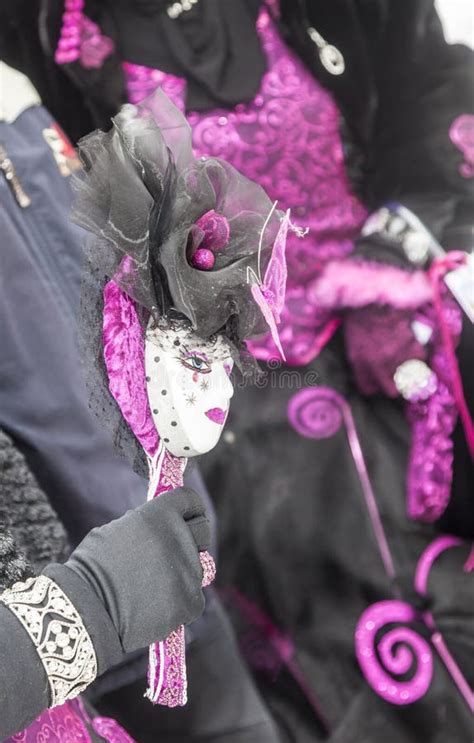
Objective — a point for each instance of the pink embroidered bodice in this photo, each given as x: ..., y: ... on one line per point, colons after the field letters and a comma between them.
x: 287, y: 139
x: 69, y: 724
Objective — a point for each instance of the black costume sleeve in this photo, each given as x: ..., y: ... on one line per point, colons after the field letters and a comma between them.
x: 24, y: 686
x: 23, y: 681
x: 423, y: 84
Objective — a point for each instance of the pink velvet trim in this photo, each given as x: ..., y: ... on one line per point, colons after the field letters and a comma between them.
x: 124, y: 354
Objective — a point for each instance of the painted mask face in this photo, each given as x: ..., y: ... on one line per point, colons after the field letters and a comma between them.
x: 188, y: 386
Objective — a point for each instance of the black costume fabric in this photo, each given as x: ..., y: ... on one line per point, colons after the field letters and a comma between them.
x: 204, y: 45
x: 268, y: 483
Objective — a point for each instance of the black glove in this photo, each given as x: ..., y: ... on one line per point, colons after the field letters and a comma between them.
x: 144, y: 568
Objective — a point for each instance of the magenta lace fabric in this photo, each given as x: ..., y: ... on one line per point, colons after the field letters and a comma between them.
x: 68, y: 724
x: 287, y: 139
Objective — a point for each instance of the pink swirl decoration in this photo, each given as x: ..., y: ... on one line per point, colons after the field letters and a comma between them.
x: 314, y: 413
x: 399, y: 650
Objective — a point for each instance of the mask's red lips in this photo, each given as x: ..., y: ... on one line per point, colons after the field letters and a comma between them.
x: 217, y: 415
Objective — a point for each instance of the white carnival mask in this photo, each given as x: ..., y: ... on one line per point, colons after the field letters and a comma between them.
x: 188, y: 386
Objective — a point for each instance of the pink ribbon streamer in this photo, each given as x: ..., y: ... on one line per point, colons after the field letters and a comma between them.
x: 440, y: 267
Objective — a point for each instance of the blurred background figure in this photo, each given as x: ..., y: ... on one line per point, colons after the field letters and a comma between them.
x: 344, y: 489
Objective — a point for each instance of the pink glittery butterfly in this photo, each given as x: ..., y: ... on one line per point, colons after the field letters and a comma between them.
x: 270, y: 294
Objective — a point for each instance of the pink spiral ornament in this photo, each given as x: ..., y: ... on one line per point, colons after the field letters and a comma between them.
x: 314, y: 413
x: 398, y: 651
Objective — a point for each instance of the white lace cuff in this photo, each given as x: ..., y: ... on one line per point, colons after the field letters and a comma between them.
x: 58, y: 633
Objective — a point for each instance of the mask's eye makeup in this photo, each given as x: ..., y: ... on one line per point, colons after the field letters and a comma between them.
x: 196, y: 361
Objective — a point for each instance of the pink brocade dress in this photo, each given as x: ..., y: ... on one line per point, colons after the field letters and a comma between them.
x: 70, y: 723
x: 287, y: 139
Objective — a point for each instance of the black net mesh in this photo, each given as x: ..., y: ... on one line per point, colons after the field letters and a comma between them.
x: 141, y: 195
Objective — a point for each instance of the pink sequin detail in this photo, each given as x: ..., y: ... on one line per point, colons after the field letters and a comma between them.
x: 173, y: 691
x: 81, y: 39
x: 208, y: 568
x: 430, y: 467
x: 462, y: 136
x: 378, y: 340
x: 287, y: 139
x: 203, y: 259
